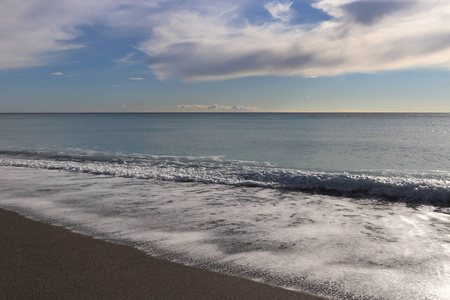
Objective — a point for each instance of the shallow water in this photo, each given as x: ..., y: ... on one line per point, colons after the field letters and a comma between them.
x: 337, y: 247
x: 309, y: 142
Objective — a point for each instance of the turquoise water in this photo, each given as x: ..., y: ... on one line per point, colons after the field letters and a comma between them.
x: 324, y: 142
x: 389, y: 156
x: 351, y: 206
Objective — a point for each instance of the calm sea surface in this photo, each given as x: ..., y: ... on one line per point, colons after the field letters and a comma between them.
x: 351, y: 206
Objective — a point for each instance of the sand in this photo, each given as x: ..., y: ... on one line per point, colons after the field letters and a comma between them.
x: 41, y: 261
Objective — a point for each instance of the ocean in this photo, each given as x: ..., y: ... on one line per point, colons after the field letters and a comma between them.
x: 349, y: 206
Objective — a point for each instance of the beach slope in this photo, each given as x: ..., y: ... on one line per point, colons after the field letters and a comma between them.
x: 41, y: 261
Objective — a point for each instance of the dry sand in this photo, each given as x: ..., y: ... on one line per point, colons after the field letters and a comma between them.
x: 41, y: 261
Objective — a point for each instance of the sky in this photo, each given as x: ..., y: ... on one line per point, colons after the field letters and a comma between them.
x: 224, y: 55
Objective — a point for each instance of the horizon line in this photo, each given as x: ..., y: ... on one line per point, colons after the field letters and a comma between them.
x: 232, y: 112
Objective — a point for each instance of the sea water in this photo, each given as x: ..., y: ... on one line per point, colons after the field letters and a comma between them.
x: 350, y: 206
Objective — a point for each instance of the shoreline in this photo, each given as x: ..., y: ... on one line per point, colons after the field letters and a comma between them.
x: 42, y: 261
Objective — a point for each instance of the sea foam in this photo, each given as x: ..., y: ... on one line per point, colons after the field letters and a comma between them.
x: 395, y: 186
x: 336, y: 246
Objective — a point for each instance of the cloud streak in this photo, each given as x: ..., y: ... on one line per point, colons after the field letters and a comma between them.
x: 361, y: 36
x: 199, y: 41
x: 215, y: 107
x: 280, y: 10
x: 31, y: 31
x: 35, y: 33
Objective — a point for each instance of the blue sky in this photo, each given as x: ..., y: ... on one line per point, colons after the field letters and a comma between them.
x: 215, y: 56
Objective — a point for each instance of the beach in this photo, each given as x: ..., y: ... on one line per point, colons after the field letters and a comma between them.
x: 41, y: 261
x: 302, y: 202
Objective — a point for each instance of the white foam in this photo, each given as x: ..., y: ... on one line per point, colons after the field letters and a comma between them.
x: 399, y: 187
x: 364, y: 247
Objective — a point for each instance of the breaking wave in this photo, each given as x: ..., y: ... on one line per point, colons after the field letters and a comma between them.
x: 409, y: 188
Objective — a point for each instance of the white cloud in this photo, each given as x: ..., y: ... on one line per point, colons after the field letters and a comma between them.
x: 136, y: 78
x: 215, y: 107
x: 280, y: 10
x: 70, y: 74
x: 361, y: 36
x: 33, y: 32
x: 202, y: 40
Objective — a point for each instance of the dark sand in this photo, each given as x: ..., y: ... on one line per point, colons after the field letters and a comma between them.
x: 40, y: 261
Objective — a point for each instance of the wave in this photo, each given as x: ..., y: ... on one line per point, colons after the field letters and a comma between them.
x: 413, y: 189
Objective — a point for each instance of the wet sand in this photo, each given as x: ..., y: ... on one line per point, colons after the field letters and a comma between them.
x: 41, y: 261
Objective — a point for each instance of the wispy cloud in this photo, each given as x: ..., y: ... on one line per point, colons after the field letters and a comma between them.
x: 215, y: 107
x: 34, y: 32
x: 361, y: 36
x: 69, y: 74
x: 200, y: 40
x: 280, y: 10
x: 136, y: 78
x: 127, y: 60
